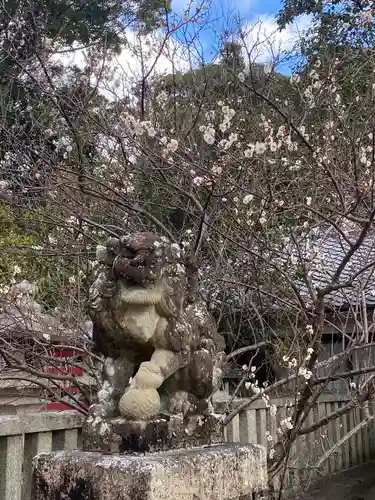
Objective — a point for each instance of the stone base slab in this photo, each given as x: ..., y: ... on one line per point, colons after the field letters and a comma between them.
x: 160, y: 434
x: 218, y: 472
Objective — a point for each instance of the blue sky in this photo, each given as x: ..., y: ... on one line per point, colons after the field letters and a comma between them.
x: 248, y: 8
x: 258, y: 16
x: 181, y: 51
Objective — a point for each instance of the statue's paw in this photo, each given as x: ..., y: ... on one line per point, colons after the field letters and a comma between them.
x: 179, y: 403
x: 140, y: 404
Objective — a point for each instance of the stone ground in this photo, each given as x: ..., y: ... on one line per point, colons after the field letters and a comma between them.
x: 355, y: 484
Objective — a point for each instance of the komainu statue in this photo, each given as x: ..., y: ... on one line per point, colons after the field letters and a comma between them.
x: 161, y: 347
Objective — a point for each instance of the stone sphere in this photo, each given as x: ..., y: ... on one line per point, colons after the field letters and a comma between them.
x: 140, y: 404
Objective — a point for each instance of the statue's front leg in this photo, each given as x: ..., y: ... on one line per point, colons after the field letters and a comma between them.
x: 116, y: 374
x: 142, y: 400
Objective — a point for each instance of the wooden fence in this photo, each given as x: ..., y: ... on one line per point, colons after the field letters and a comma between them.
x: 23, y: 436
x: 318, y: 453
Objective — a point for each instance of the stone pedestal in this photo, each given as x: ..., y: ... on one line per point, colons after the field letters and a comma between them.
x: 217, y: 472
x: 165, y: 433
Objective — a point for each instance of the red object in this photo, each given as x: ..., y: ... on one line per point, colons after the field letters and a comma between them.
x: 63, y: 353
x: 63, y: 368
x: 55, y: 406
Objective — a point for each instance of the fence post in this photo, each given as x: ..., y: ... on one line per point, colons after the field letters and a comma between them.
x: 11, y: 489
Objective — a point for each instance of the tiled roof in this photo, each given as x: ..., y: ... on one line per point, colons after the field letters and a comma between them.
x: 322, y: 255
x: 331, y: 251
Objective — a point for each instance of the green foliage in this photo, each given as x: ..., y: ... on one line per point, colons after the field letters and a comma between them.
x: 27, y: 254
x: 334, y: 24
x: 85, y: 21
x: 232, y: 57
x: 294, y: 8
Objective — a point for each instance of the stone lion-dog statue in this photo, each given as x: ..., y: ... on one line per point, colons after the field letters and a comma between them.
x: 161, y: 346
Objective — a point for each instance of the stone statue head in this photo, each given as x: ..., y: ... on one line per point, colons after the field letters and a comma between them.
x: 140, y: 276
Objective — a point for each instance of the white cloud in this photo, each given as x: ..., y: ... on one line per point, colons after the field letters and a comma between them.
x: 265, y: 42
x: 150, y: 55
x: 155, y: 54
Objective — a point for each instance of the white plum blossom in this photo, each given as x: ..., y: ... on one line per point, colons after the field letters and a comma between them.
x: 4, y: 185
x: 249, y: 151
x: 171, y: 146
x: 260, y: 148
x: 287, y: 423
x: 247, y: 199
x: 292, y: 363
x: 310, y: 329
x: 228, y: 114
x: 305, y: 373
x: 162, y: 98
x: 281, y: 132
x: 295, y: 78
x: 52, y: 240
x: 216, y: 170
x: 262, y: 218
x: 273, y: 410
x: 209, y: 134
x: 269, y: 436
x: 273, y: 146
x: 16, y: 269
x: 200, y: 181
x: 4, y: 290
